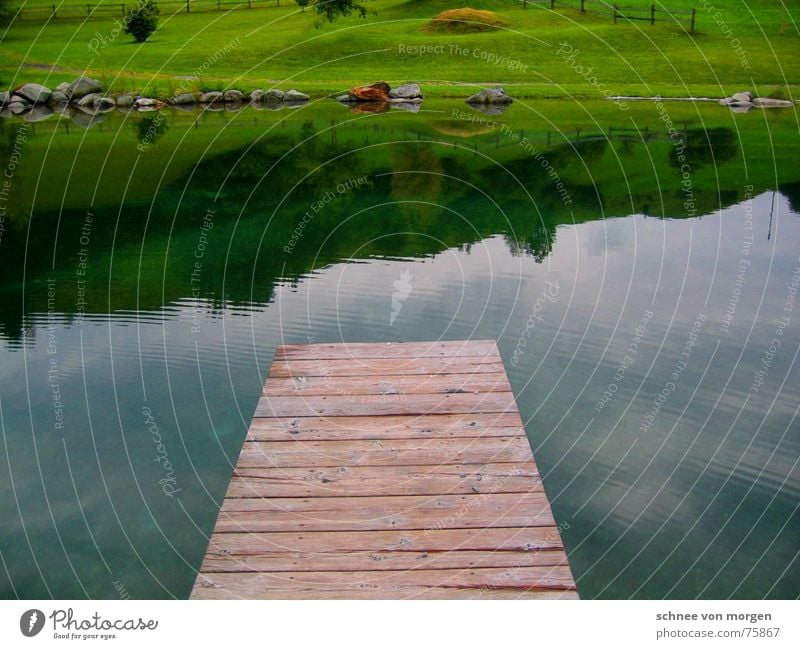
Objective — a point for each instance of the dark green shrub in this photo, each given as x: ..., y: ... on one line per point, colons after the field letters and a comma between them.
x: 142, y: 21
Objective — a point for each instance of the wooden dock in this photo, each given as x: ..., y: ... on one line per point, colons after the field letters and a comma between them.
x: 386, y: 471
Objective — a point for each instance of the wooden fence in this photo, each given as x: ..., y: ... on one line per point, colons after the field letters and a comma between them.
x: 649, y: 14
x: 89, y: 11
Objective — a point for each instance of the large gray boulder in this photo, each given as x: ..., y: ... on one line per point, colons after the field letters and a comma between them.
x: 494, y: 96
x: 83, y: 86
x: 183, y: 99
x: 742, y: 97
x: 212, y: 97
x: 256, y: 95
x: 57, y: 98
x: 769, y: 102
x: 97, y: 101
x: 125, y: 101
x: 233, y: 96
x: 63, y: 87
x: 34, y: 93
x: 5, y: 97
x: 407, y: 91
x: 273, y: 96
x: 294, y: 96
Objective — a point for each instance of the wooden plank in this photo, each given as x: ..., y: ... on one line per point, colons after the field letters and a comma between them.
x: 345, y: 404
x: 510, y: 477
x: 388, y: 385
x: 398, y: 560
x: 525, y: 539
x: 405, y: 351
x: 387, y: 367
x: 471, y: 450
x: 280, y: 584
x: 384, y: 512
x: 385, y: 427
x: 216, y: 586
x: 386, y: 471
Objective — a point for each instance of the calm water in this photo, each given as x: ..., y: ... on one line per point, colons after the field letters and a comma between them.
x: 644, y: 307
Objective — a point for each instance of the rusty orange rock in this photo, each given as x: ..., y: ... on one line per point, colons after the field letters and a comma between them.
x: 374, y: 92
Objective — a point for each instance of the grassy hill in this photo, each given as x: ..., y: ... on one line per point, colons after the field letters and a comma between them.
x: 536, y: 51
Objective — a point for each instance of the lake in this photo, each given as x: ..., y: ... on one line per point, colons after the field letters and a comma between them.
x: 641, y: 285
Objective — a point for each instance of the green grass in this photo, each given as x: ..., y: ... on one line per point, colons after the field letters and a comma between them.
x: 281, y: 46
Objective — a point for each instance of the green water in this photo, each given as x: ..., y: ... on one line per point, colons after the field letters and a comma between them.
x: 151, y: 265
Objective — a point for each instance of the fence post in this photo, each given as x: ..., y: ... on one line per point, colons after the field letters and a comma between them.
x: 88, y: 10
x: 552, y: 4
x: 123, y: 8
x: 615, y: 13
x: 54, y: 11
x: 525, y: 5
x: 188, y: 6
x: 652, y: 14
x: 694, y: 14
x: 583, y: 10
x: 218, y: 5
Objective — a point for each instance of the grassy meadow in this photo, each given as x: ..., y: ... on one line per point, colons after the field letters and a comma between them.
x: 537, y: 52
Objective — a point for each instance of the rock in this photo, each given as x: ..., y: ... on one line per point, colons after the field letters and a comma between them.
x: 62, y: 87
x: 125, y: 101
x: 735, y: 103
x: 38, y: 114
x: 146, y: 104
x: 378, y: 91
x: 183, y: 99
x: 17, y: 107
x: 410, y: 100
x: 346, y: 99
x: 5, y: 97
x: 34, y: 93
x: 256, y: 95
x: 87, y: 101
x: 769, y: 102
x: 273, y: 96
x: 57, y: 98
x: 5, y: 113
x: 741, y: 108
x: 83, y: 86
x: 742, y: 97
x: 211, y: 97
x: 490, y: 96
x: 186, y: 108
x: 294, y: 96
x: 233, y: 95
x: 104, y: 103
x: 407, y: 91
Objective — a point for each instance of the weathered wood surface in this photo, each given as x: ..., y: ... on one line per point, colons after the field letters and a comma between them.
x: 386, y: 471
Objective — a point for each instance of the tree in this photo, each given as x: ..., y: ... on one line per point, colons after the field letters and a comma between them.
x: 332, y: 9
x: 142, y: 21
